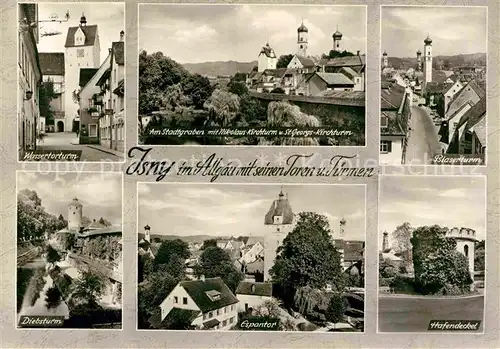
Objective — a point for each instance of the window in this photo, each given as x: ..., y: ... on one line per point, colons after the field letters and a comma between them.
x: 184, y: 300
x: 218, y: 312
x: 231, y: 320
x: 224, y: 323
x: 466, y: 250
x: 385, y: 147
x: 246, y: 306
x: 205, y: 316
x: 232, y: 307
x: 80, y: 52
x: 176, y: 300
x: 384, y: 121
x: 225, y: 309
x: 93, y: 130
x: 211, y: 315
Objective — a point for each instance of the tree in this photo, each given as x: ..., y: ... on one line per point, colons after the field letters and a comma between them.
x: 104, y: 222
x: 53, y: 298
x: 437, y: 263
x: 252, y: 113
x: 86, y: 221
x: 479, y: 256
x: 239, y: 77
x: 307, y: 256
x: 45, y: 96
x: 402, y: 238
x: 336, y: 54
x: 223, y: 107
x: 284, y: 60
x: 336, y: 308
x: 215, y: 262
x: 238, y: 88
x: 170, y: 250
x: 52, y: 255
x: 209, y: 243
x: 88, y: 288
x: 197, y: 89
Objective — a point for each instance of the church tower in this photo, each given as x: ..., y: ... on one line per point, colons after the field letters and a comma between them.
x: 427, y: 60
x: 302, y: 33
x: 267, y: 58
x: 337, y: 38
x: 385, y: 60
x: 147, y: 233
x: 419, y: 60
x: 82, y: 50
x: 280, y: 221
x: 385, y: 242
x: 75, y: 215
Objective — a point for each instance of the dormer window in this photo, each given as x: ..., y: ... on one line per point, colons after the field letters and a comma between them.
x: 384, y: 121
x: 213, y: 295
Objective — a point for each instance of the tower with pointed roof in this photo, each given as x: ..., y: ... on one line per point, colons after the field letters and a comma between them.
x: 385, y: 60
x: 267, y: 58
x: 337, y: 38
x: 75, y: 214
x: 302, y: 33
x: 82, y: 50
x: 280, y: 221
x: 427, y: 60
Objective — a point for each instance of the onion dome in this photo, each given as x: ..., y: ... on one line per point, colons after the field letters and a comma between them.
x: 83, y: 19
x: 384, y: 54
x: 419, y: 53
x: 428, y: 40
x: 343, y: 221
x: 302, y: 29
x: 337, y: 34
x: 147, y: 227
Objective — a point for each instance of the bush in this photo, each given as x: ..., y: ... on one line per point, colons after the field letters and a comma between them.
x: 452, y: 290
x: 402, y: 284
x: 384, y: 282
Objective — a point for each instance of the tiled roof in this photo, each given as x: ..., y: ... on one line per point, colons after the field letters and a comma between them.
x: 86, y: 74
x: 197, y: 291
x: 353, y: 250
x: 394, y: 128
x: 392, y: 97
x: 279, y: 207
x: 305, y: 61
x: 473, y: 115
x: 438, y: 76
x: 348, y: 61
x: 436, y: 87
x: 52, y: 63
x: 176, y: 315
x: 278, y: 73
x: 90, y: 32
x: 349, y: 72
x: 118, y: 49
x: 335, y: 79
x: 100, y: 231
x: 255, y: 288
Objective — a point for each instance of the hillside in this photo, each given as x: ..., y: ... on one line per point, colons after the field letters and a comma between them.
x: 440, y: 62
x: 192, y: 238
x: 219, y: 68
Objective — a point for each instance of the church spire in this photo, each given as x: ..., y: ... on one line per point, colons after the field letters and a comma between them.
x: 83, y: 20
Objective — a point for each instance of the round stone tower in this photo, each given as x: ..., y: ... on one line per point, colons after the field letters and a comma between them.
x: 466, y: 239
x: 75, y: 214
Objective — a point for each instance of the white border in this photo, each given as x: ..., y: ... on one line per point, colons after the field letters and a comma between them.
x: 241, y: 185
x: 237, y: 146
x: 434, y: 333
x: 18, y: 160
x: 485, y: 164
x: 16, y: 324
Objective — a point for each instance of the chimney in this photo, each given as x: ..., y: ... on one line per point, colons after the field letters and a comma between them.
x: 385, y: 242
x: 357, y: 53
x: 122, y: 34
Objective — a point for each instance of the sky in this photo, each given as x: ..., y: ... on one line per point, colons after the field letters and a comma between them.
x: 427, y: 200
x: 110, y: 18
x: 239, y: 210
x: 99, y: 193
x: 202, y: 33
x: 453, y: 30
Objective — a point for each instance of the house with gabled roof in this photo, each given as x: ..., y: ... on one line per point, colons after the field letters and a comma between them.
x: 320, y: 82
x: 253, y: 294
x: 205, y: 304
x: 468, y: 134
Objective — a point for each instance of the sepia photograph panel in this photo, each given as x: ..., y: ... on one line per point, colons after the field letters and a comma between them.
x: 71, y: 73
x: 432, y: 232
x: 69, y: 250
x: 251, y: 257
x: 433, y: 85
x: 252, y: 75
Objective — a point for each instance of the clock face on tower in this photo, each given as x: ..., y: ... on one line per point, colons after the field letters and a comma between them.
x: 80, y: 52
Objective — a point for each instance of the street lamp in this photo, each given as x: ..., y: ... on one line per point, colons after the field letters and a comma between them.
x: 27, y: 95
